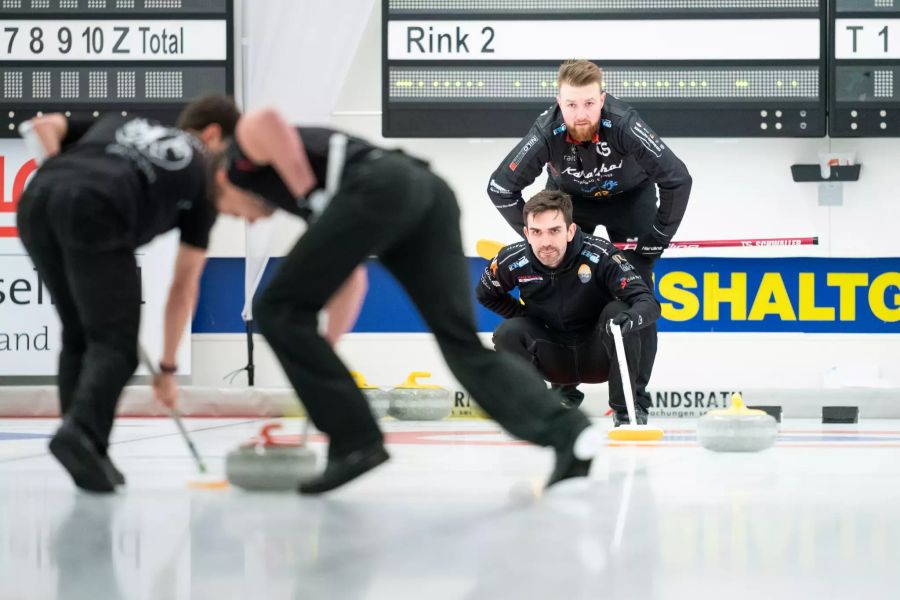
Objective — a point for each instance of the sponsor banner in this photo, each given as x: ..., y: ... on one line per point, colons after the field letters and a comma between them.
x: 688, y: 404
x: 464, y: 407
x: 29, y: 329
x: 812, y: 295
x: 809, y: 295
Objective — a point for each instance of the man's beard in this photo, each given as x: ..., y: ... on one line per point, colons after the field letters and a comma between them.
x: 582, y: 133
x: 554, y: 258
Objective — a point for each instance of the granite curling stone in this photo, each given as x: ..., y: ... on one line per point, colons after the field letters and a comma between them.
x: 267, y: 464
x: 379, y: 400
x: 414, y: 401
x: 737, y: 428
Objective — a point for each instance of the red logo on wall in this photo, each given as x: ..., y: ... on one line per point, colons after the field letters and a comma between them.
x: 8, y: 205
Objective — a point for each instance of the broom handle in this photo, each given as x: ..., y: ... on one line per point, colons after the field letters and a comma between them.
x: 488, y: 249
x: 623, y: 370
x: 737, y: 243
x: 201, y: 466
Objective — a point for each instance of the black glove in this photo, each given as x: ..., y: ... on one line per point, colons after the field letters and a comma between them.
x: 623, y: 320
x: 651, y: 245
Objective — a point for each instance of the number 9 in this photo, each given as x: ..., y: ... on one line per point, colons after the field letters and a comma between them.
x: 65, y: 40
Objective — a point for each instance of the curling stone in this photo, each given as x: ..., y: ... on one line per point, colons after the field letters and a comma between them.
x: 267, y: 464
x: 379, y: 399
x: 737, y: 428
x: 414, y: 401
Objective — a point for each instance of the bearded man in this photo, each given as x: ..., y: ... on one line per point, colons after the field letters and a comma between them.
x: 618, y: 172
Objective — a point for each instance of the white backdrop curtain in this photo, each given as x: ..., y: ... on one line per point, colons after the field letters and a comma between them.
x: 296, y: 56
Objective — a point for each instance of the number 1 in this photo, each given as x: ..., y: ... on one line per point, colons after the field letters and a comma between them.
x: 884, y: 32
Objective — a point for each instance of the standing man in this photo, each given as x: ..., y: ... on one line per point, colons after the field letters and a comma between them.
x: 383, y: 203
x: 573, y: 285
x: 598, y: 150
x: 108, y: 187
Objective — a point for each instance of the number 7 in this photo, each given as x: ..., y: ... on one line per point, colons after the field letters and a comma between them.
x: 14, y: 31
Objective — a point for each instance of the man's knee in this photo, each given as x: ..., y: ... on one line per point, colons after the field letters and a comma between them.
x: 272, y: 315
x: 509, y: 335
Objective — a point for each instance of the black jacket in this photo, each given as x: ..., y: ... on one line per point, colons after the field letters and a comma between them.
x: 569, y: 298
x: 625, y: 154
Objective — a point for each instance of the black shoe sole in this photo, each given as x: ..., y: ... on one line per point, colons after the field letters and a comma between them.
x: 344, y: 470
x: 82, y: 462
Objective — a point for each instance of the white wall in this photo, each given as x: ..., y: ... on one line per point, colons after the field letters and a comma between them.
x: 742, y: 187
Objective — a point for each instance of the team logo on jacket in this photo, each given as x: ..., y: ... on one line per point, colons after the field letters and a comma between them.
x: 519, y: 264
x: 584, y: 273
x: 609, y: 184
x: 166, y: 147
x: 622, y: 262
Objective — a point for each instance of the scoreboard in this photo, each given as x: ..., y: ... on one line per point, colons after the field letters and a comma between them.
x: 96, y: 56
x: 865, y: 68
x: 704, y: 68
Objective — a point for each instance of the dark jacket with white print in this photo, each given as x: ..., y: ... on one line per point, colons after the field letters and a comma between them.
x: 567, y: 299
x: 625, y: 154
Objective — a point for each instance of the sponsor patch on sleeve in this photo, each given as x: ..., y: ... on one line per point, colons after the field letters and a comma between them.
x: 623, y: 263
x: 647, y: 138
x: 522, y: 152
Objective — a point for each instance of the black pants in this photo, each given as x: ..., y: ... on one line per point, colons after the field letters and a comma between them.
x: 570, y: 359
x: 80, y: 249
x: 627, y: 215
x: 393, y: 207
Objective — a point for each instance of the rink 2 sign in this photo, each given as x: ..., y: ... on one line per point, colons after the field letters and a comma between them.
x: 811, y: 295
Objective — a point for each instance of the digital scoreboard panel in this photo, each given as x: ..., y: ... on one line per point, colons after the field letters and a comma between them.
x: 865, y: 68
x: 694, y: 68
x: 97, y: 56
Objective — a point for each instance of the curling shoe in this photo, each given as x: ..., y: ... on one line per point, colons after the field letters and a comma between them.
x: 342, y: 469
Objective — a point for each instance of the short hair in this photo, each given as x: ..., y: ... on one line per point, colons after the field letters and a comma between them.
x: 207, y: 110
x: 579, y: 73
x: 547, y: 200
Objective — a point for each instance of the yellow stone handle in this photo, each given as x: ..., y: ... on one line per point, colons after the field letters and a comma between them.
x: 737, y: 408
x: 412, y: 383
x: 360, y: 380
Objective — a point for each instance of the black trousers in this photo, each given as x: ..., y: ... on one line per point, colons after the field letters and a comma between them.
x: 569, y: 358
x: 627, y: 215
x: 393, y: 207
x: 84, y: 256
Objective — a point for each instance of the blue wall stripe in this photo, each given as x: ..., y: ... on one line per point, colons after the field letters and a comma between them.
x: 796, y: 292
